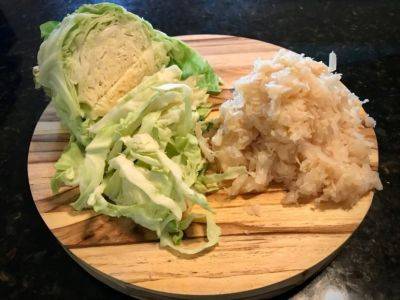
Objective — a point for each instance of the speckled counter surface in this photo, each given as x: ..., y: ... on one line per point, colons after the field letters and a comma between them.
x: 364, y: 34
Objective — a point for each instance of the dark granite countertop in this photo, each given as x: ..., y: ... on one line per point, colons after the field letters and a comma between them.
x: 364, y: 34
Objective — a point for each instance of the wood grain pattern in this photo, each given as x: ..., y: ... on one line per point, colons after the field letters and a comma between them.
x: 265, y: 248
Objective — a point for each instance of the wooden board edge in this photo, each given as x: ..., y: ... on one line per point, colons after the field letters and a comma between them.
x: 266, y: 292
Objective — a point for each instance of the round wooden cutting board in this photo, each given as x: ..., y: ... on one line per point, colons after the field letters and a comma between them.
x: 265, y: 247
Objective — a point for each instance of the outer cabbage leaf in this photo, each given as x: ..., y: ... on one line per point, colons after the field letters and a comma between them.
x: 47, y: 27
x: 191, y: 63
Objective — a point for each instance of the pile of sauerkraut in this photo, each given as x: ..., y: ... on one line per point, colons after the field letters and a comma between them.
x: 292, y: 121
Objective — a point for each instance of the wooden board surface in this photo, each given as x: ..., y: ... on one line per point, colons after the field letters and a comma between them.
x: 265, y: 247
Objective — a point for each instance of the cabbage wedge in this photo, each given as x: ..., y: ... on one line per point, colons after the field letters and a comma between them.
x: 97, y: 54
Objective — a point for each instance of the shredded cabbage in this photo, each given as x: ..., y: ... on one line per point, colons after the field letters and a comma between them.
x: 143, y: 160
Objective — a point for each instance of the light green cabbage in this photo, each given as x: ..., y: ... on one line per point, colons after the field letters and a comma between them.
x: 47, y: 27
x: 67, y: 167
x: 131, y: 97
x: 99, y: 53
